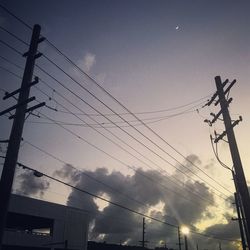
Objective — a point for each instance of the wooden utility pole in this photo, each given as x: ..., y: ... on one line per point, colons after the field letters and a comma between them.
x: 17, y: 128
x: 239, y: 173
x: 143, y: 241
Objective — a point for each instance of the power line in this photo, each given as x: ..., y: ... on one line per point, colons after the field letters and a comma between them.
x: 114, y: 203
x: 105, y: 117
x: 11, y: 47
x: 151, y: 112
x: 116, y: 100
x: 13, y: 35
x: 157, y: 119
x: 126, y: 120
x: 125, y: 108
x: 55, y: 122
x: 16, y: 17
x: 97, y: 125
x: 96, y: 196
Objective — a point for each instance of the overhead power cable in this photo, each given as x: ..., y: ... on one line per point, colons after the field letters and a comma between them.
x: 155, y: 144
x: 38, y: 173
x: 127, y: 123
x: 55, y: 122
x: 133, y: 137
x: 14, y: 16
x: 115, y: 99
x: 117, y: 125
x: 106, y: 124
x: 154, y: 111
x: 124, y: 121
x: 131, y: 113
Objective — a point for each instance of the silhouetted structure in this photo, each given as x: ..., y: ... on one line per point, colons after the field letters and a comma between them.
x: 34, y: 224
x: 105, y: 246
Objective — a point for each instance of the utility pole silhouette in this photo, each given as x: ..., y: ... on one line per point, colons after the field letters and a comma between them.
x: 240, y: 218
x: 143, y: 241
x: 17, y: 127
x: 220, y: 246
x: 179, y: 238
x: 240, y: 180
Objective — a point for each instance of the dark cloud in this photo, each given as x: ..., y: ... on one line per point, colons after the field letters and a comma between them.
x: 228, y: 230
x: 30, y: 185
x: 141, y: 192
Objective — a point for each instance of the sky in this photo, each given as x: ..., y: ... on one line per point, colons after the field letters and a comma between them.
x: 159, y: 59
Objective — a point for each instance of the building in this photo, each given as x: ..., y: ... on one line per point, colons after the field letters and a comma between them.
x: 34, y: 224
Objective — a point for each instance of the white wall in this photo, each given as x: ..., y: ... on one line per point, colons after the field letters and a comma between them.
x: 69, y: 224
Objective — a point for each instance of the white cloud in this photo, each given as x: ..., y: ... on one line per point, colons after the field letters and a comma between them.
x: 87, y: 62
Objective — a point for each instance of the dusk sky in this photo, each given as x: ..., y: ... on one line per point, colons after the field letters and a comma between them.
x: 159, y: 59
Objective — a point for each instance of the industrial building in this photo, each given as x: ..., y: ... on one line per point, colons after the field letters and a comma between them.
x: 33, y: 224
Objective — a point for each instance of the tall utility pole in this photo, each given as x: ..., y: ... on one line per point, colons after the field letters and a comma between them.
x: 17, y: 127
x: 239, y: 173
x: 241, y: 185
x: 143, y: 241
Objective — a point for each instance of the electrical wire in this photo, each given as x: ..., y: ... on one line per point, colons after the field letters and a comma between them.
x: 15, y: 16
x: 63, y: 85
x: 54, y: 122
x: 167, y: 162
x: 116, y: 100
x: 127, y: 110
x: 132, y: 125
x: 114, y: 203
x: 176, y: 183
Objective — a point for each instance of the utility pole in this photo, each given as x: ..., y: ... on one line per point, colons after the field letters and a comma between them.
x: 17, y: 127
x: 241, y: 185
x: 243, y: 242
x: 186, y: 243
x: 220, y: 246
x: 143, y: 241
x: 240, y: 218
x: 179, y: 238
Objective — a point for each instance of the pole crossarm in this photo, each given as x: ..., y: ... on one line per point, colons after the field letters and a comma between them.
x: 8, y: 95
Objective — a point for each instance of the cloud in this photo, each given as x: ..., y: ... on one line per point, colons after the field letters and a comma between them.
x: 88, y: 61
x: 141, y: 191
x: 29, y: 185
x: 228, y: 230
